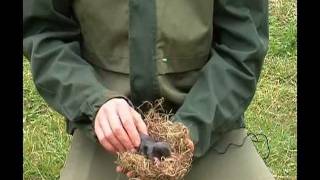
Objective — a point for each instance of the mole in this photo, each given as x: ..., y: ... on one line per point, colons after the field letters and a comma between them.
x: 152, y: 149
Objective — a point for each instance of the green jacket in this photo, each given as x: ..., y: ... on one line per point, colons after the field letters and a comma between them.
x: 203, y: 56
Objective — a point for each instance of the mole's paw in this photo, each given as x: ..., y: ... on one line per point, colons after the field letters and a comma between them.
x: 156, y: 161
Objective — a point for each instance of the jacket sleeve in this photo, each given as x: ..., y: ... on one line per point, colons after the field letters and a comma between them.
x: 227, y: 83
x: 67, y: 82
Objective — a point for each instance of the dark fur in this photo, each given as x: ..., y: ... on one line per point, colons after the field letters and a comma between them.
x: 152, y: 149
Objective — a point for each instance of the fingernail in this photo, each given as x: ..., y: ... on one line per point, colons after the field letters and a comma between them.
x: 133, y: 150
x: 135, y: 144
x: 118, y: 169
x: 129, y: 174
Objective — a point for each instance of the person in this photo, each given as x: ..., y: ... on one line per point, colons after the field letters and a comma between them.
x: 95, y: 61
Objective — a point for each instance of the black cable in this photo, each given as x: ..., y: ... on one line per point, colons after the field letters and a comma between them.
x: 243, y: 141
x: 267, y: 142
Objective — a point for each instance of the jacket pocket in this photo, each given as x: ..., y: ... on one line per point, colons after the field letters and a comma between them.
x: 181, y: 64
x: 184, y: 34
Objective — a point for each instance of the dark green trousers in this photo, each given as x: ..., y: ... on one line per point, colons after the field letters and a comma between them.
x: 89, y: 161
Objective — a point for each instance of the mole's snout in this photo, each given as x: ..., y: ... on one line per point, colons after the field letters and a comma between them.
x: 161, y: 149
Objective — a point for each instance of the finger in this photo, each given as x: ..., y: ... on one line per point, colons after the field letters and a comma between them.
x: 128, y: 124
x: 100, y: 135
x: 119, y: 169
x: 130, y: 174
x: 118, y: 130
x: 140, y: 124
x: 104, y: 142
x: 190, y: 144
x: 189, y: 141
x: 186, y: 130
x: 107, y: 131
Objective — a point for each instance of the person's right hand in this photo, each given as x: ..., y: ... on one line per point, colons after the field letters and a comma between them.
x: 117, y: 126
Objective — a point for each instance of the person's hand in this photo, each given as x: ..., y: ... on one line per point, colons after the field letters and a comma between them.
x: 130, y: 174
x: 189, y: 142
x: 117, y: 126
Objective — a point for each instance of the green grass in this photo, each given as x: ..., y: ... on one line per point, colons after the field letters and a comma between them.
x: 273, y: 110
x: 45, y: 141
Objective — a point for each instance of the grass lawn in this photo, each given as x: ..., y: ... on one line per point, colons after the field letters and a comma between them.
x: 272, y: 112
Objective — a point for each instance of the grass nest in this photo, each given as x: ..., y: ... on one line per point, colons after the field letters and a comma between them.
x: 160, y: 128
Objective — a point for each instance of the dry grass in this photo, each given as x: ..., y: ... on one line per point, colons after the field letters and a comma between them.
x: 175, y: 134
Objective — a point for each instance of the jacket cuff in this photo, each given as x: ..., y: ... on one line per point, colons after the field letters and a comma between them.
x: 89, y: 129
x: 98, y: 107
x: 104, y: 98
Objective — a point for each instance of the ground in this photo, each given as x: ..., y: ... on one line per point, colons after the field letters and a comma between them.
x: 272, y: 112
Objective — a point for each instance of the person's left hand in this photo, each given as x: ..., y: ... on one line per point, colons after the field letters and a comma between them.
x: 119, y: 169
